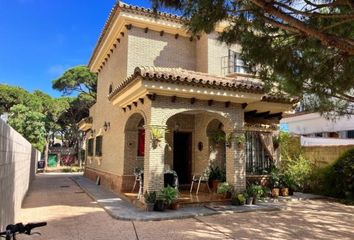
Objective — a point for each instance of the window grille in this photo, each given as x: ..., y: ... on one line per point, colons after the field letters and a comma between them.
x: 257, y: 159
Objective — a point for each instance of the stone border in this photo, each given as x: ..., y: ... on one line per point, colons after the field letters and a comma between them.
x: 117, y: 207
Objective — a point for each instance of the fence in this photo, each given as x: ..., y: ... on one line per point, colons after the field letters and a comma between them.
x: 324, y: 155
x: 17, y: 169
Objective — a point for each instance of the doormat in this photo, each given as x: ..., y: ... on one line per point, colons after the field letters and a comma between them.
x: 217, y: 207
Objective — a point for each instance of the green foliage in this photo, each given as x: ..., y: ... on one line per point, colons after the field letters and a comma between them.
x: 275, y: 177
x: 240, y: 139
x: 238, y: 199
x: 215, y: 173
x: 254, y: 190
x: 337, y: 180
x: 224, y: 187
x: 290, y: 147
x: 299, y: 171
x: 150, y: 197
x: 158, y: 133
x: 169, y: 194
x: 314, y: 62
x: 29, y: 124
x: 218, y: 137
x: 11, y: 96
x: 77, y: 79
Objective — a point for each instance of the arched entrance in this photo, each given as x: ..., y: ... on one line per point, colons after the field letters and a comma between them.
x: 191, y: 146
x: 134, y: 148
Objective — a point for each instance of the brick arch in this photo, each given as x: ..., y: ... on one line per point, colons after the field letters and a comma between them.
x: 134, y: 119
x: 221, y: 116
x: 131, y: 139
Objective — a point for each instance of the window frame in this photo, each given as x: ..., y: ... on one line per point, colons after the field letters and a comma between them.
x: 90, y: 147
x: 98, y: 146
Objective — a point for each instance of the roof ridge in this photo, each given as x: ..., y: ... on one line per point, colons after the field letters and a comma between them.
x: 118, y: 6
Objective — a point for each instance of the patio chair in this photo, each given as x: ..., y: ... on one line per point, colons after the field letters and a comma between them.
x: 199, y: 178
x: 137, y: 172
x: 141, y: 185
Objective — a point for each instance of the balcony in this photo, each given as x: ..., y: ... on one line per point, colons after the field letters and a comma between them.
x: 232, y: 66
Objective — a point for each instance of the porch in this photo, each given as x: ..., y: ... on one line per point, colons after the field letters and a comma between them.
x: 189, y: 142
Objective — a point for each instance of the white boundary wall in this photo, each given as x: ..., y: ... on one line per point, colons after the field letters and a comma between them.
x: 17, y: 169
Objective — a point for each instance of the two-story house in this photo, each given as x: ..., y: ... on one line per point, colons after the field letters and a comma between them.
x: 166, y: 98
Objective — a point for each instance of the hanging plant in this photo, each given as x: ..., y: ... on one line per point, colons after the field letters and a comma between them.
x: 240, y: 140
x: 157, y: 134
x: 229, y: 138
x: 218, y: 137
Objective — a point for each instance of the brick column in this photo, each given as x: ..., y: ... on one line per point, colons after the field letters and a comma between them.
x: 154, y: 160
x: 236, y: 163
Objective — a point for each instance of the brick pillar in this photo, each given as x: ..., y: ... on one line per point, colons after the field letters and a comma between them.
x: 236, y: 163
x: 154, y: 160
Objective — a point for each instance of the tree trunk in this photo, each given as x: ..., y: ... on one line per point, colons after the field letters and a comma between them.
x: 79, y: 150
x: 46, y: 153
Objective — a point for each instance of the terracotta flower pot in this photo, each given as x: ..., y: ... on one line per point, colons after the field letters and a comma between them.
x: 215, y: 184
x: 174, y: 206
x: 284, y: 192
x: 275, y: 192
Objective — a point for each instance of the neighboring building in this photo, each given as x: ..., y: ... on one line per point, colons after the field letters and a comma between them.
x: 4, y: 117
x: 164, y: 98
x: 316, y: 126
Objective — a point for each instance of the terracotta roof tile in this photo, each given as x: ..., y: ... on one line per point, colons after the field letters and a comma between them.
x: 121, y: 6
x: 188, y: 77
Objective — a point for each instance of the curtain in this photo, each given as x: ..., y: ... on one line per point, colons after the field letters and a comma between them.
x: 141, y: 142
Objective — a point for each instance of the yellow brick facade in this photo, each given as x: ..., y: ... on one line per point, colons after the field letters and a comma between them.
x: 140, y: 44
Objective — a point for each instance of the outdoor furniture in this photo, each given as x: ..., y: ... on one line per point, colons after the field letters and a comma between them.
x: 141, y: 185
x: 137, y: 172
x: 199, y: 178
x: 170, y: 178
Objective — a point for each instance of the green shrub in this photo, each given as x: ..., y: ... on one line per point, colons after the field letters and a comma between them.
x: 337, y: 180
x: 299, y: 171
x: 169, y: 194
x: 224, y: 188
x: 150, y: 197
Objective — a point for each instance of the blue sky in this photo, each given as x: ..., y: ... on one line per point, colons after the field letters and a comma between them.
x: 39, y: 39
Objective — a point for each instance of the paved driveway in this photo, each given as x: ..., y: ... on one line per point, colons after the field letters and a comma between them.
x: 71, y: 214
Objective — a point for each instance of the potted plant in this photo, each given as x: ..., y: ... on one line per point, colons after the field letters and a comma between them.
x: 170, y: 196
x: 290, y: 183
x: 275, y: 182
x: 284, y: 190
x: 238, y: 199
x: 159, y: 204
x: 226, y: 189
x: 215, y: 177
x: 229, y: 138
x: 240, y: 140
x: 150, y: 200
x: 157, y: 134
x: 249, y: 199
x: 218, y: 137
x: 256, y: 191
